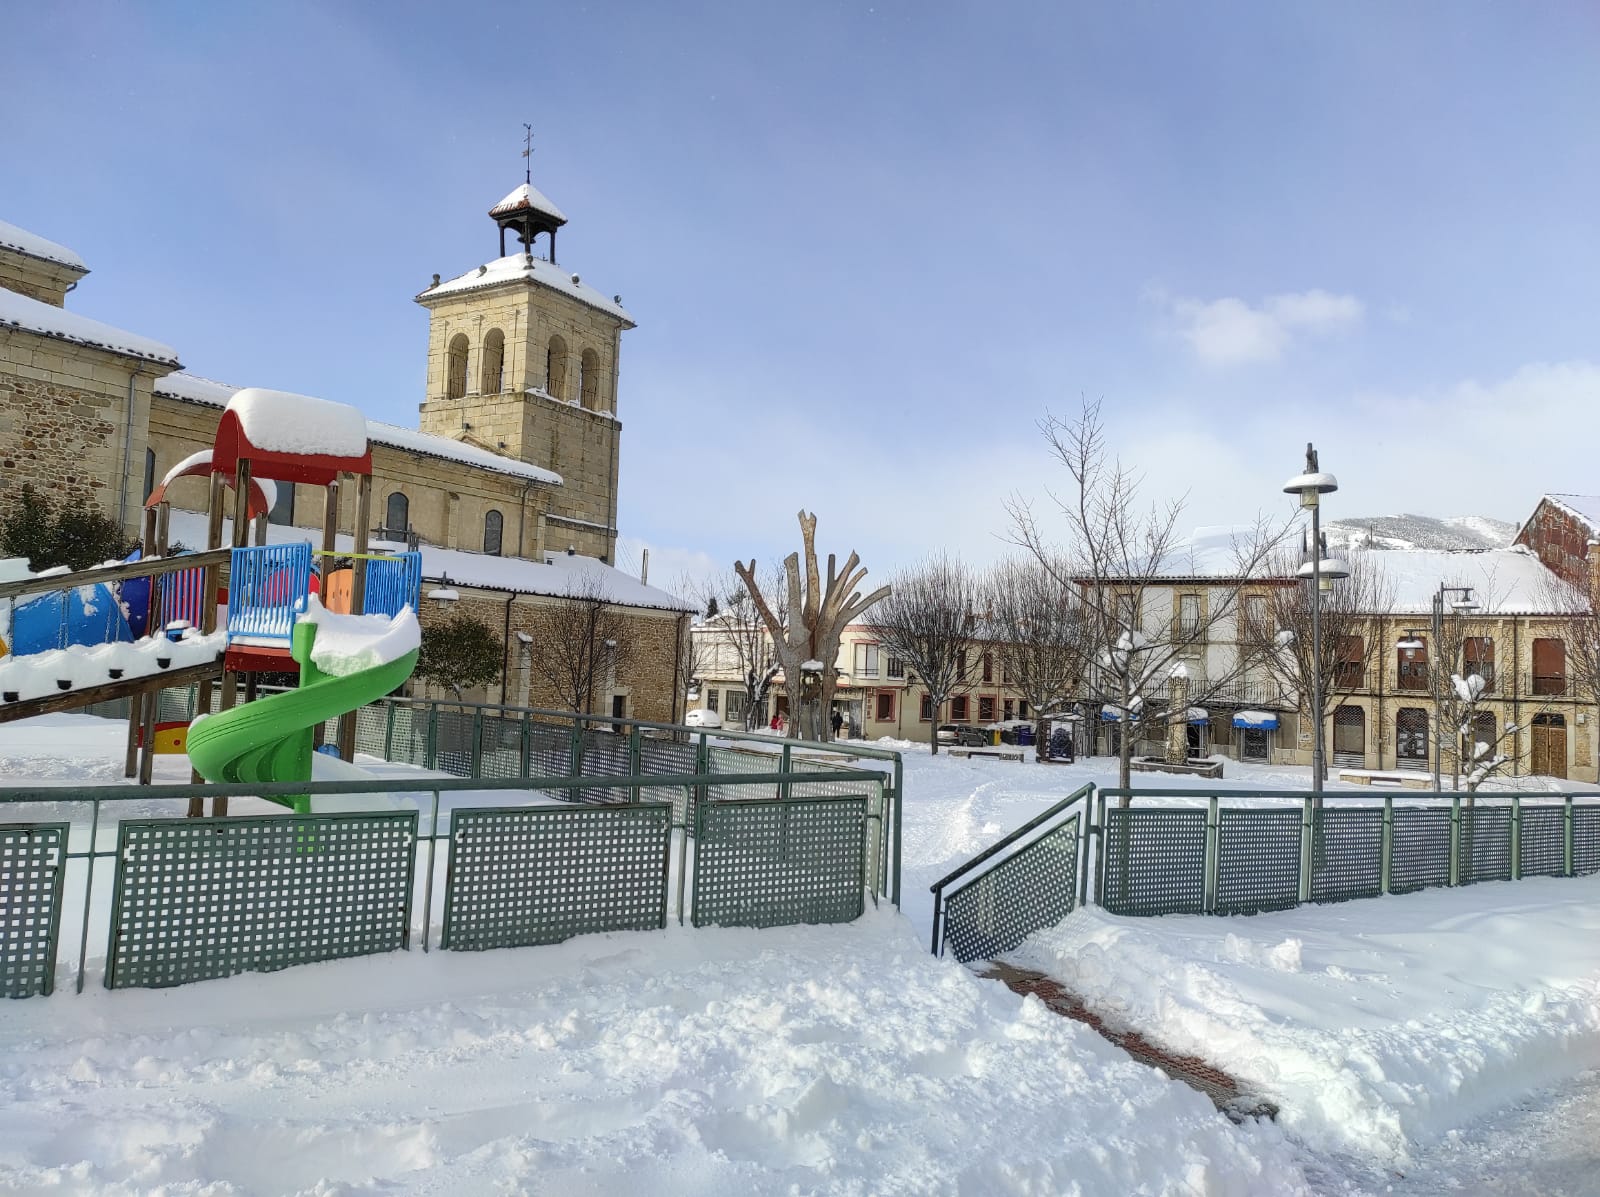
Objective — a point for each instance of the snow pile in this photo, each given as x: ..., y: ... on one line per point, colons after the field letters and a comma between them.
x: 347, y: 644
x: 837, y: 1059
x: 1378, y: 1026
x: 283, y: 422
x: 12, y: 237
x: 527, y: 196
x: 523, y: 267
x: 39, y: 675
x: 18, y: 311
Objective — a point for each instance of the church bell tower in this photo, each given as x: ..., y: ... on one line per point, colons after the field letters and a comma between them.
x: 522, y: 361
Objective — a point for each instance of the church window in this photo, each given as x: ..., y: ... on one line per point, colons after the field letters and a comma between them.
x: 493, y: 525
x: 589, y: 380
x: 455, y: 368
x: 397, y: 513
x: 555, y: 369
x: 494, y: 356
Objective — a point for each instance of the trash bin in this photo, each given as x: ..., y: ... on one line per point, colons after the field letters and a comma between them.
x: 994, y: 735
x: 1025, y: 735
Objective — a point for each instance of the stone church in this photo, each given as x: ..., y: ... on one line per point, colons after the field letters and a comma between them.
x: 508, y: 484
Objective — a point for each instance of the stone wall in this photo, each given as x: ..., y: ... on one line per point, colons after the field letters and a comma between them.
x: 1562, y: 542
x: 63, y: 413
x: 37, y: 278
x: 647, y: 681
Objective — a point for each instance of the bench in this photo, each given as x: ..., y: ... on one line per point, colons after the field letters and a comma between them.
x: 999, y: 754
x: 1402, y: 779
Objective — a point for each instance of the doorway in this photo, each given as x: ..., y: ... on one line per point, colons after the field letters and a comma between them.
x: 1549, y: 745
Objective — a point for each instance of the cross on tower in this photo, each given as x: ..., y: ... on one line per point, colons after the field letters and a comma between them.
x: 527, y: 152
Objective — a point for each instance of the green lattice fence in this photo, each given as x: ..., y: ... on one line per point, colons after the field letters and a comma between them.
x: 1420, y: 857
x: 203, y: 898
x: 1586, y: 840
x: 519, y: 876
x: 1347, y: 860
x: 774, y: 862
x: 1154, y: 861
x: 1258, y: 860
x: 1542, y: 842
x: 33, y: 859
x: 1033, y: 888
x: 1485, y: 845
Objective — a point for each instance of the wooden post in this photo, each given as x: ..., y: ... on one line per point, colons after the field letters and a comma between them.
x: 358, y: 597
x: 147, y: 541
x: 147, y: 750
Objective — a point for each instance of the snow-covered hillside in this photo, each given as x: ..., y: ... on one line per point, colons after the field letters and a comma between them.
x: 1421, y: 532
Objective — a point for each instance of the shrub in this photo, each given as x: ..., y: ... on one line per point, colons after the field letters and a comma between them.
x: 460, y: 653
x: 72, y: 536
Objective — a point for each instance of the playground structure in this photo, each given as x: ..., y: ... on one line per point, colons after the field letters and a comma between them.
x: 174, y: 624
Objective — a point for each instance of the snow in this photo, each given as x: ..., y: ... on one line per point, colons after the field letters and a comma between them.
x: 527, y: 196
x: 18, y: 311
x: 839, y: 1060
x: 522, y: 267
x: 1378, y: 1025
x: 38, y: 675
x: 1255, y: 719
x: 1407, y: 531
x: 347, y: 644
x: 202, y: 457
x: 283, y: 422
x: 1321, y: 483
x: 444, y: 594
x: 194, y: 389
x: 1585, y: 507
x: 12, y: 237
x: 566, y: 576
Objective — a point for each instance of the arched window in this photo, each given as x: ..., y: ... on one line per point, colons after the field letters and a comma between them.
x: 397, y: 513
x: 493, y: 523
x: 494, y: 356
x: 555, y: 368
x: 283, y: 506
x: 589, y: 380
x: 455, y: 367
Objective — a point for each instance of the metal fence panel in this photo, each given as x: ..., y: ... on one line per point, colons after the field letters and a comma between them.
x: 1155, y: 861
x: 1421, y: 854
x: 773, y: 863
x: 1033, y: 888
x: 1346, y: 854
x: 549, y: 750
x: 1258, y: 860
x: 605, y: 754
x: 1585, y: 840
x: 1542, y: 842
x: 530, y: 875
x: 203, y: 898
x: 453, y: 743
x: 33, y: 859
x: 1485, y: 845
x: 500, y: 747
x: 734, y: 760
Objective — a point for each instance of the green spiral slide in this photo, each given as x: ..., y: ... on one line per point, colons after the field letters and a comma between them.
x: 270, y: 739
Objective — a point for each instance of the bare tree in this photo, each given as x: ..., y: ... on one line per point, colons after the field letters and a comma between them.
x: 736, y: 637
x: 810, y: 634
x: 1275, y: 629
x: 928, y: 620
x: 580, y: 643
x: 1034, y: 616
x: 1143, y: 642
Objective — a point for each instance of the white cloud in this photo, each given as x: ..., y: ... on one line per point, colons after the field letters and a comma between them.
x: 1228, y: 331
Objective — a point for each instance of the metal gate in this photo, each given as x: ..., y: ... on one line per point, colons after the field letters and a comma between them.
x: 1350, y: 737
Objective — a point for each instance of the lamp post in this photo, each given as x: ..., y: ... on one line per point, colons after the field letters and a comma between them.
x: 1310, y: 486
x: 1461, y: 606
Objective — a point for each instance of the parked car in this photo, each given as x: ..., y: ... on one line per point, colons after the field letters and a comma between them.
x: 700, y: 717
x: 966, y: 735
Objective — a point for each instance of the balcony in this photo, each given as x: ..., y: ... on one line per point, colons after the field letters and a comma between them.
x: 1349, y: 677
x: 1553, y: 683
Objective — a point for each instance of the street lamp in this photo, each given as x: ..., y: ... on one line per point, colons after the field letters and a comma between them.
x: 1311, y: 486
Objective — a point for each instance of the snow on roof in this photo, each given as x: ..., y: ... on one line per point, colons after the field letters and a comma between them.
x: 1585, y: 507
x: 527, y: 196
x: 35, y: 246
x: 524, y: 267
x: 217, y: 394
x: 1504, y: 581
x: 283, y: 422
x: 564, y: 577
x: 18, y: 311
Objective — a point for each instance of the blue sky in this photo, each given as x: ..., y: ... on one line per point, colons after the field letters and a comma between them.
x: 869, y: 246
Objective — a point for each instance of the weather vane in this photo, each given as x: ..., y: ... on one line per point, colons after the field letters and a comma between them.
x: 527, y: 153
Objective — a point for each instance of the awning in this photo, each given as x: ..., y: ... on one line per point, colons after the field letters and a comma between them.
x: 1264, y: 720
x: 1197, y: 715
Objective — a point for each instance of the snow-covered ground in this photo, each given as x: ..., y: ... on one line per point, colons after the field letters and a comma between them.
x: 836, y: 1059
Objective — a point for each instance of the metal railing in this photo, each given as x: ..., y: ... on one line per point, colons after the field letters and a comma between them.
x: 198, y: 898
x: 267, y: 586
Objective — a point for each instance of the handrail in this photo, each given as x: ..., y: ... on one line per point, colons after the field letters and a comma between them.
x: 149, y: 567
x: 1327, y: 796
x: 1030, y: 825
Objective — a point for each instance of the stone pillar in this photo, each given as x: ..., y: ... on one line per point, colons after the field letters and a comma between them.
x: 1177, y: 719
